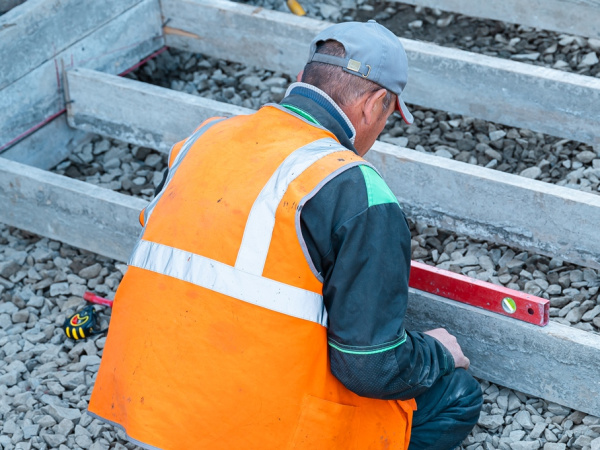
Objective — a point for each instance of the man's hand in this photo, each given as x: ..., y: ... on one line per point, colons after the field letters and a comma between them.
x: 450, y: 342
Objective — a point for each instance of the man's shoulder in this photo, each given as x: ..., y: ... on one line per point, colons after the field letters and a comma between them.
x: 345, y: 191
x: 351, y: 193
x: 362, y: 185
x: 378, y: 192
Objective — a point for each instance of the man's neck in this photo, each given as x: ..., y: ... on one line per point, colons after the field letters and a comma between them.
x: 317, y: 107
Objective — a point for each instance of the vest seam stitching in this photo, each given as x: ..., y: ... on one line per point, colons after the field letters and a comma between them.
x: 309, y: 196
x: 241, y: 256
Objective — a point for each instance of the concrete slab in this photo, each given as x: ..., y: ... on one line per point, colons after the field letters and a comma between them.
x: 147, y: 115
x: 47, y: 146
x: 39, y: 30
x: 7, y: 5
x: 495, y: 206
x: 67, y: 210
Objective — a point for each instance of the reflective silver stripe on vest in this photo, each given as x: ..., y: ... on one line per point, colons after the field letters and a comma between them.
x: 227, y: 280
x: 261, y: 220
x: 184, y: 150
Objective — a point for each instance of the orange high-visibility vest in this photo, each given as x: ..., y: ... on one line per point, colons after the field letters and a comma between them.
x: 218, y: 334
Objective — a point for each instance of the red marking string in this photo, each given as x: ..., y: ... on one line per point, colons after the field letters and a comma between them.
x: 32, y: 129
x: 143, y: 61
x: 62, y: 111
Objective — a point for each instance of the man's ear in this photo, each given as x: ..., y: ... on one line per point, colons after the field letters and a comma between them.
x: 373, y: 106
x: 299, y: 76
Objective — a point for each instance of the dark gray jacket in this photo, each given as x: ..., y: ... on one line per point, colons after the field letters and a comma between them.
x: 361, y: 248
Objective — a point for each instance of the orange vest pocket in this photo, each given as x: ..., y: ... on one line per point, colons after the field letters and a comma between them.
x: 323, y: 425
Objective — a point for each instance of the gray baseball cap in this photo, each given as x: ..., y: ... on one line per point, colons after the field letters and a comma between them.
x: 372, y: 52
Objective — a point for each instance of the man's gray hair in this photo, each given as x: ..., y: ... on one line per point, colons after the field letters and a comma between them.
x: 343, y: 87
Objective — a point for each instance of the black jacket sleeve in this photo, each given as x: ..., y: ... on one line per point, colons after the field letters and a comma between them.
x: 362, y: 252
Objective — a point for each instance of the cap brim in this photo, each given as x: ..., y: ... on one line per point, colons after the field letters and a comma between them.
x: 403, y: 110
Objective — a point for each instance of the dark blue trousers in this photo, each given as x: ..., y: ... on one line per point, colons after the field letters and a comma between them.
x: 446, y: 413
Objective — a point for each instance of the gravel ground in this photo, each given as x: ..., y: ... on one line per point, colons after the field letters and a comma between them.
x: 45, y: 379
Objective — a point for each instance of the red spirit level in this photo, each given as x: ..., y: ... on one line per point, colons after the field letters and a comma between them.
x: 482, y: 294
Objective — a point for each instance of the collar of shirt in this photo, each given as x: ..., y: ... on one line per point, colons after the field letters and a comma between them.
x: 317, y: 107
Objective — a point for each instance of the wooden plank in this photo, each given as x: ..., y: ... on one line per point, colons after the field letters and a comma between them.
x: 105, y: 222
x: 111, y: 48
x: 557, y: 362
x: 80, y: 214
x: 503, y: 91
x: 40, y: 29
x: 502, y: 208
x: 577, y: 17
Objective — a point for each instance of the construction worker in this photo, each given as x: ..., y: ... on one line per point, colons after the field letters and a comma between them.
x: 264, y: 303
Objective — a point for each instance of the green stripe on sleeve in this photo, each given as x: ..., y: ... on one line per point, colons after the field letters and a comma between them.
x: 378, y: 192
x: 356, y: 351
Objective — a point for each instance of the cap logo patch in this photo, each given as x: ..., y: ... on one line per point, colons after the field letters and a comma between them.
x: 354, y: 66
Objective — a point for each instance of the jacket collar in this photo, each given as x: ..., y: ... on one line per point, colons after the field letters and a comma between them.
x: 316, y: 106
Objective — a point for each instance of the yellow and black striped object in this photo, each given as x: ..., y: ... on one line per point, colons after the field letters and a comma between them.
x: 81, y: 324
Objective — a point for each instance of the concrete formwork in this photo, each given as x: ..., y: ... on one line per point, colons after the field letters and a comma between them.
x: 430, y: 188
x: 42, y: 38
x: 560, y: 362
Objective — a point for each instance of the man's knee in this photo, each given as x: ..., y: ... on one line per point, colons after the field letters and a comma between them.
x: 446, y: 413
x: 456, y: 396
x: 466, y: 392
